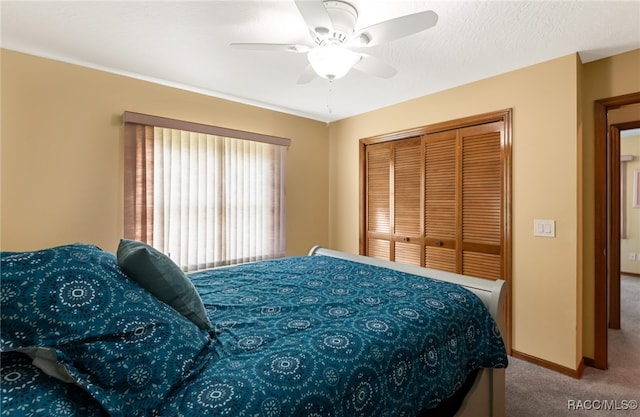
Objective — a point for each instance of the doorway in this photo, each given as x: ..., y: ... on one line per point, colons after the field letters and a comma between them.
x: 607, y: 218
x: 621, y: 121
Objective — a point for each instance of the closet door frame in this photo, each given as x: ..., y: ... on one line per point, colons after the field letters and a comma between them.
x: 503, y: 116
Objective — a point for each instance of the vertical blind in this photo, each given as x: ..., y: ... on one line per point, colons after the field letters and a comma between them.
x: 203, y: 199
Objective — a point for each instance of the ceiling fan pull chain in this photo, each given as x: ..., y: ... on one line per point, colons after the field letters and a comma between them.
x: 329, y: 97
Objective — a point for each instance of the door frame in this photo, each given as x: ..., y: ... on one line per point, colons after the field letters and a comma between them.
x: 606, y: 247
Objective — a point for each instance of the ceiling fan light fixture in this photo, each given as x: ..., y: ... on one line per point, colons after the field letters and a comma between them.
x: 332, y: 61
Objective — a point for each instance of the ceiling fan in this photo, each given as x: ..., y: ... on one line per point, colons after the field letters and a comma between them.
x: 336, y: 42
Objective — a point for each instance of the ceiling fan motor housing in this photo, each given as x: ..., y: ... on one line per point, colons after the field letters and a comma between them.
x: 343, y: 16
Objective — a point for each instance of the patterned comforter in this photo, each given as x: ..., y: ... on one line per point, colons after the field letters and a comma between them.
x: 327, y: 337
x: 300, y: 336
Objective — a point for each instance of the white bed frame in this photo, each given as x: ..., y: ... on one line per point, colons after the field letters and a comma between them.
x: 487, y: 395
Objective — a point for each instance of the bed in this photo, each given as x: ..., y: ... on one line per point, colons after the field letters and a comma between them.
x: 90, y: 333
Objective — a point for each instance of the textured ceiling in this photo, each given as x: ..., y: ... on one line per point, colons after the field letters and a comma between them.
x: 186, y: 44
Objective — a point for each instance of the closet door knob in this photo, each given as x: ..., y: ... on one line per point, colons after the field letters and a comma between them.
x: 407, y: 239
x: 439, y: 243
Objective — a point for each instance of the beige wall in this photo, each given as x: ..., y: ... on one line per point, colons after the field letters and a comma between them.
x: 601, y: 79
x: 62, y: 153
x: 546, y: 281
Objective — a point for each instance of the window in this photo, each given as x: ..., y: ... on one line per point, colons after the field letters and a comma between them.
x: 205, y: 196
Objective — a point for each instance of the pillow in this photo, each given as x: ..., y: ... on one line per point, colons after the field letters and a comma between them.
x: 25, y: 389
x: 157, y: 273
x: 81, y: 319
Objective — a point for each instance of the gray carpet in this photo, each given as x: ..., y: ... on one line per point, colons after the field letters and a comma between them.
x: 534, y: 391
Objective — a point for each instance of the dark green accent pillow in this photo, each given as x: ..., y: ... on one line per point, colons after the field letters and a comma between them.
x: 159, y: 275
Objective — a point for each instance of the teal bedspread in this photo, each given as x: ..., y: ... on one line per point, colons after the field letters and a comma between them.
x: 319, y: 336
x: 299, y: 336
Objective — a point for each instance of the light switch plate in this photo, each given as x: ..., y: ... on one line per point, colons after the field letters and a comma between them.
x: 544, y: 228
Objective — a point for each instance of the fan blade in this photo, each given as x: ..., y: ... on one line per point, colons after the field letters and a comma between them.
x: 285, y: 47
x: 371, y: 65
x: 307, y: 75
x: 315, y: 15
x: 392, y: 29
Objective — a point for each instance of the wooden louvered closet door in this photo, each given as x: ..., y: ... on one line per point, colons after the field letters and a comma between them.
x: 378, y: 197
x: 481, y: 208
x: 406, y: 199
x: 440, y: 202
x: 393, y: 201
x: 437, y: 200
